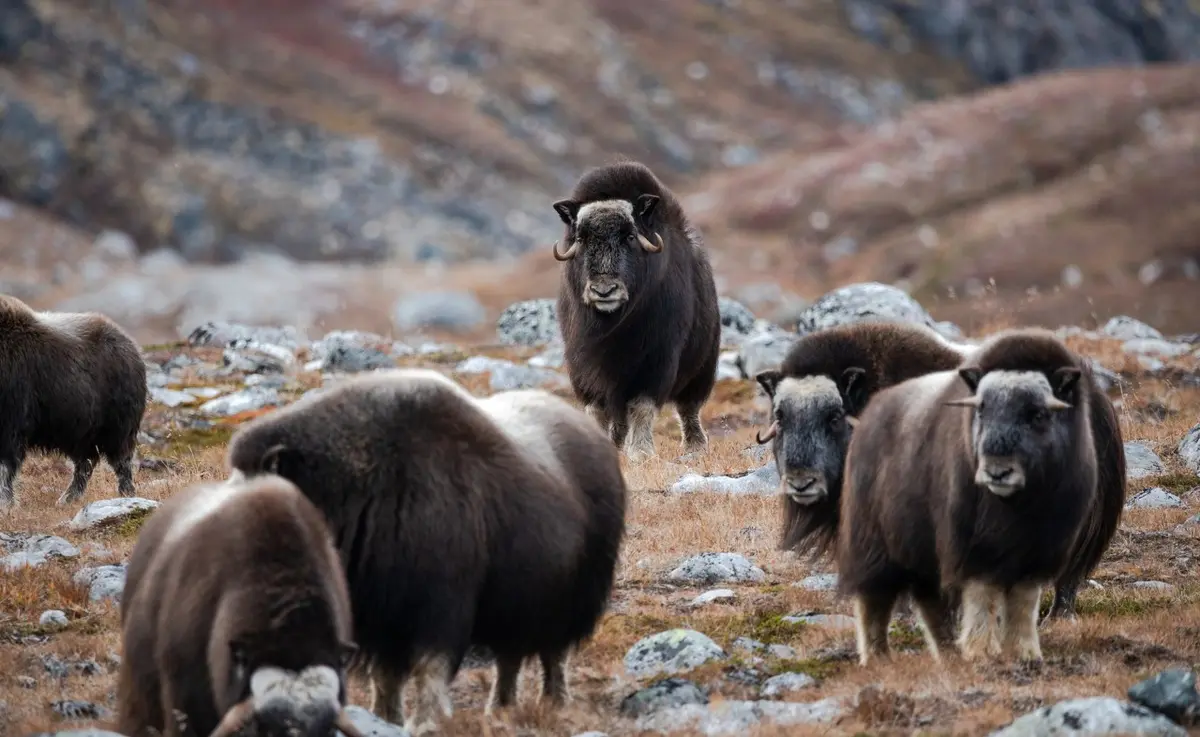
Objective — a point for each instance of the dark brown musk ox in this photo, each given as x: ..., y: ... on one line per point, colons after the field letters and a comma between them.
x: 637, y: 306
x: 829, y: 376
x: 978, y: 480
x: 493, y: 522
x: 70, y: 382
x: 235, y: 614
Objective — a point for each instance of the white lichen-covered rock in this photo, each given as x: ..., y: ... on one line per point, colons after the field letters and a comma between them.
x: 818, y: 582
x: 816, y: 619
x: 738, y: 717
x: 371, y: 725
x: 171, y: 397
x: 255, y: 357
x: 1096, y: 715
x: 763, y: 481
x: 709, y: 597
x: 1123, y: 327
x: 866, y: 301
x: 763, y: 351
x: 786, y: 683
x: 453, y: 311
x: 710, y: 568
x: 224, y: 333
x: 103, y: 582
x: 532, y: 322
x: 53, y: 618
x: 352, y: 351
x: 33, y: 550
x: 1189, y: 449
x: 1155, y: 347
x: 670, y: 652
x: 246, y: 400
x: 1141, y: 461
x: 109, y: 511
x: 1155, y: 498
x: 506, y: 375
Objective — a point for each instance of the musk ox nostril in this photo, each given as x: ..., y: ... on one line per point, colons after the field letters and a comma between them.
x: 999, y: 474
x: 603, y: 290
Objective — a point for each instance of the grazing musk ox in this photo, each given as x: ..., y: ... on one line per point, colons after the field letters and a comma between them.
x: 638, y: 306
x: 461, y: 521
x: 69, y: 382
x: 833, y: 373
x: 235, y: 611
x: 988, y: 503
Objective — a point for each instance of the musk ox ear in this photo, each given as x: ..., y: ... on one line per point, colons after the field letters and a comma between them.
x: 850, y: 386
x: 346, y: 653
x: 970, y: 376
x: 769, y: 380
x: 568, y: 211
x: 1065, y: 382
x: 273, y: 459
x: 645, y: 205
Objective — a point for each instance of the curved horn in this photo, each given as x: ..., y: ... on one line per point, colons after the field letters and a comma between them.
x: 570, y: 254
x: 1056, y: 403
x: 771, y: 431
x: 650, y: 247
x: 345, y: 726
x: 964, y: 402
x: 235, y: 718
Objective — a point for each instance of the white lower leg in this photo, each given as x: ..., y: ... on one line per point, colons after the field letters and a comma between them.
x: 1021, y: 610
x: 980, y: 611
x: 640, y: 443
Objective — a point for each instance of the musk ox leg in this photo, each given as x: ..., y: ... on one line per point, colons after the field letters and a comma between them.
x: 983, y: 618
x: 598, y: 413
x: 8, y: 475
x: 872, y: 614
x: 386, y: 689
x: 123, y: 468
x: 1063, y: 607
x: 1021, y: 616
x: 554, y: 678
x: 641, y: 413
x: 504, y: 688
x: 79, y: 481
x: 933, y: 616
x: 432, y: 675
x: 694, y: 437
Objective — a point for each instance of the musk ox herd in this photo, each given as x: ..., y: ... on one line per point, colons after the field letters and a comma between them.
x: 388, y: 524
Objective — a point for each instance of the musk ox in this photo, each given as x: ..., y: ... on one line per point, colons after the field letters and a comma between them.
x: 461, y: 521
x: 978, y: 480
x: 235, y: 612
x: 832, y: 374
x: 70, y: 382
x: 638, y: 306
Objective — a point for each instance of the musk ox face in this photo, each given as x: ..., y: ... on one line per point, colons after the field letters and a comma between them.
x: 608, y: 237
x: 1018, y: 423
x: 286, y: 703
x: 809, y: 431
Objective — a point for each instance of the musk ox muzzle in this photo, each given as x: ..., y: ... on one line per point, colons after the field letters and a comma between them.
x: 605, y: 293
x: 288, y: 704
x: 805, y: 486
x: 1001, y: 475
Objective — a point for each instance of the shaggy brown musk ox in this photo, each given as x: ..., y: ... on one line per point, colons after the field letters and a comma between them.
x: 70, y: 382
x: 235, y: 611
x: 830, y: 375
x: 989, y: 503
x: 637, y: 306
x: 461, y: 521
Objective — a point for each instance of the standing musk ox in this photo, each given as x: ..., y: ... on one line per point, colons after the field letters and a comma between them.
x: 832, y: 374
x: 461, y: 521
x: 638, y: 306
x: 70, y: 382
x: 979, y: 481
x: 235, y: 612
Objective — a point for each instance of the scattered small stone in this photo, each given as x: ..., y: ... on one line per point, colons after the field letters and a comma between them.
x: 506, y: 375
x: 667, y: 693
x: 1096, y: 715
x: 246, y: 400
x: 224, y: 333
x: 1152, y: 585
x: 371, y: 725
x: 709, y: 597
x: 669, y: 652
x: 763, y: 481
x: 76, y: 709
x: 783, y: 652
x: 786, y: 683
x: 710, y: 568
x: 110, y: 511
x: 1173, y: 693
x: 748, y: 645
x: 738, y: 717
x: 1155, y: 347
x: 33, y: 550
x: 26, y: 682
x: 53, y: 618
x: 1141, y: 461
x: 1189, y: 449
x: 837, y: 621
x: 103, y: 582
x: 1154, y: 498
x: 352, y: 351
x: 818, y: 582
x: 171, y: 397
x: 253, y: 357
x: 1123, y: 327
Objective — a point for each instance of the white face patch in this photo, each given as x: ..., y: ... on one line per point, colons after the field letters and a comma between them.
x: 623, y: 208
x: 1003, y: 384
x: 805, y: 391
x: 316, y: 685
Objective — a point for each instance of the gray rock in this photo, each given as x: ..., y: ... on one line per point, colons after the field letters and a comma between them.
x: 783, y: 652
x: 56, y: 618
x: 709, y: 597
x: 371, y: 725
x: 255, y: 357
x: 867, y: 301
x: 224, y: 333
x: 835, y: 621
x: 818, y: 582
x: 33, y: 550
x: 532, y: 322
x: 103, y: 582
x: 1123, y: 327
x: 735, y: 316
x: 1141, y: 461
x: 1189, y: 449
x: 248, y: 399
x: 551, y: 358
x: 738, y: 717
x: 710, y: 568
x: 1155, y: 347
x: 506, y: 375
x: 77, y: 709
x: 352, y: 351
x: 171, y: 397
x: 763, y: 481
x: 1155, y: 498
x: 1152, y: 585
x: 667, y: 693
x: 764, y: 351
x: 786, y: 683
x: 748, y: 645
x: 108, y: 511
x: 452, y: 311
x: 1172, y: 692
x: 670, y: 652
x: 1095, y: 715
x: 728, y: 366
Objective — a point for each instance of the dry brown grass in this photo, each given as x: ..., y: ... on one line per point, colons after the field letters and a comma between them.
x: 1125, y: 633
